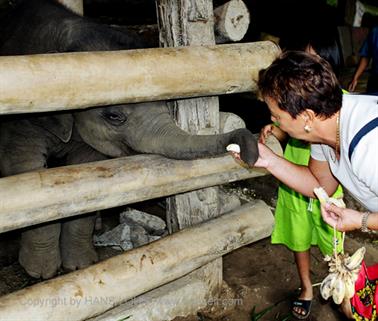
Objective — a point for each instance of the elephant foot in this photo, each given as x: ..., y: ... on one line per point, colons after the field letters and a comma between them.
x: 39, y: 251
x: 76, y: 243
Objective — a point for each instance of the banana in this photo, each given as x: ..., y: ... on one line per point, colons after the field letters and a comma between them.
x: 354, y: 262
x: 327, y: 286
x: 321, y: 194
x: 337, y: 201
x: 349, y: 288
x: 323, y: 197
x: 338, y: 292
x: 233, y: 148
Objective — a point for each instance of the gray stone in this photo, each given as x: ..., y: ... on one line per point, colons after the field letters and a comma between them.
x: 152, y: 224
x: 118, y: 238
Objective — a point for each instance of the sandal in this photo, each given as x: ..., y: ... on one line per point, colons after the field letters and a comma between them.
x: 304, y: 305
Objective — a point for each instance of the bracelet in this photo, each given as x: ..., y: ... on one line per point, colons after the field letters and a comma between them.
x: 364, y: 227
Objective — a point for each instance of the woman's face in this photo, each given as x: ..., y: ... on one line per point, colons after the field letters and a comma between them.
x: 293, y: 126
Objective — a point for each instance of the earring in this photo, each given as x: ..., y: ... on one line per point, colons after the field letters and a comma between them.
x: 307, y: 128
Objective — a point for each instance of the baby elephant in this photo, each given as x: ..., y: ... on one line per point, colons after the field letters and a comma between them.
x: 39, y: 141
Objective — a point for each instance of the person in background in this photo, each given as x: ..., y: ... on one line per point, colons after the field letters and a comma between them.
x: 298, y: 220
x: 368, y: 52
x: 304, y: 95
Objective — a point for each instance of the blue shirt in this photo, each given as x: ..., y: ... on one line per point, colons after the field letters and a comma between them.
x: 369, y: 49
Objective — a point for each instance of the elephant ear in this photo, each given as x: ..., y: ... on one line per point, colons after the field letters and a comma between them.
x: 58, y: 125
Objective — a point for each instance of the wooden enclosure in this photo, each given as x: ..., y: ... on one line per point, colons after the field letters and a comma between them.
x: 186, y: 264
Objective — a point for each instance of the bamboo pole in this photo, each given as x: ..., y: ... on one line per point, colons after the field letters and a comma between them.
x: 91, y: 291
x: 47, y: 82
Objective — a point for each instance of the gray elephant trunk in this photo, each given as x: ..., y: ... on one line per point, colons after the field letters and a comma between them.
x: 159, y: 134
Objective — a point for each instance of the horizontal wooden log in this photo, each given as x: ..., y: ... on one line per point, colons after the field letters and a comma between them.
x: 91, y: 291
x: 55, y: 193
x: 39, y: 83
x: 182, y: 297
x: 51, y: 194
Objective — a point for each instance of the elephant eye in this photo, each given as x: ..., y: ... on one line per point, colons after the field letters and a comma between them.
x: 114, y: 118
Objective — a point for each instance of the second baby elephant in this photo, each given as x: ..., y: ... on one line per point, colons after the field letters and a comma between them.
x: 38, y: 141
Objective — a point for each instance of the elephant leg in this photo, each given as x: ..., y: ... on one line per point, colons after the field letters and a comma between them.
x: 23, y: 148
x: 76, y: 243
x: 39, y: 251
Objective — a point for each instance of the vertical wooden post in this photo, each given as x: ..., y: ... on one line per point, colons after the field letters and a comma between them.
x: 189, y: 23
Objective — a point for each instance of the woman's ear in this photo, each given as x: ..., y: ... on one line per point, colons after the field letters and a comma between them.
x: 308, y: 116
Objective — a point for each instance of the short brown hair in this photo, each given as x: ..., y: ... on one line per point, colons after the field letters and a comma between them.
x: 298, y: 81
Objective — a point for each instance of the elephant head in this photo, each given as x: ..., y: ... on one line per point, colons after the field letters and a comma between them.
x: 149, y: 128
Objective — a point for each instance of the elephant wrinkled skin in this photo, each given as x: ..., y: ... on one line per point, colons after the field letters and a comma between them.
x: 43, y: 140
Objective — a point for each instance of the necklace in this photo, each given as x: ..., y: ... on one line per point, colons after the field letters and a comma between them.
x: 337, y: 147
x: 333, y: 154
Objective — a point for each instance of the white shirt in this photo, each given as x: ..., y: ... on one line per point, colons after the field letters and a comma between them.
x: 360, y: 175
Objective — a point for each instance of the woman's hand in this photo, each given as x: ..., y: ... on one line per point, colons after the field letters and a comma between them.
x: 344, y: 219
x: 265, y: 132
x: 272, y: 129
x: 265, y: 153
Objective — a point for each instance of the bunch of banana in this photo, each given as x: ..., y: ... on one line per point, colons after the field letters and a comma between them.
x: 343, y: 269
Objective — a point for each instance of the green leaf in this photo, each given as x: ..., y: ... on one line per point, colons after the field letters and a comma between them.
x: 287, y: 318
x: 256, y: 316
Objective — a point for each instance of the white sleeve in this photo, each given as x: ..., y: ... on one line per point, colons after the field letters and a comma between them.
x: 365, y: 161
x: 317, y: 152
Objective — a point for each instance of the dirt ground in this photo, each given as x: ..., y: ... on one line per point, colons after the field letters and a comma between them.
x: 258, y: 276
x: 262, y: 277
